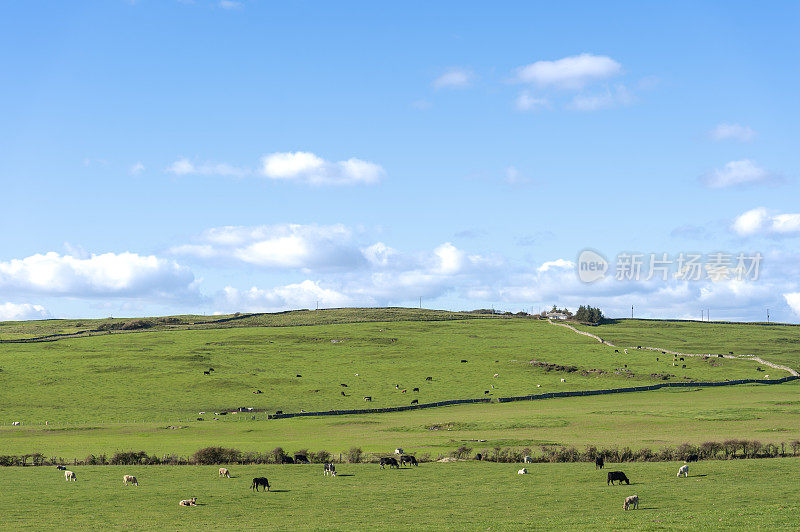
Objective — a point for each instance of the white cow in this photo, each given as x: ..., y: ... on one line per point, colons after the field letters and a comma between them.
x: 15, y: 423
x: 188, y: 502
x: 223, y: 472
x: 563, y: 380
x: 633, y: 500
x: 69, y: 475
x: 683, y: 471
x: 131, y: 479
x: 522, y: 471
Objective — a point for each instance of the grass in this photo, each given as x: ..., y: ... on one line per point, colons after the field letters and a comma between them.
x: 457, y: 496
x: 157, y: 376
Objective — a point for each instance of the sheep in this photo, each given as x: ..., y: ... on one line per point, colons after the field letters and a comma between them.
x: 188, y: 502
x: 522, y: 471
x: 131, y: 479
x: 223, y: 472
x: 69, y: 475
x: 683, y: 471
x: 633, y: 500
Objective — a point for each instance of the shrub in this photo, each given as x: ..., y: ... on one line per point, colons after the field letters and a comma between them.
x: 354, y: 455
x: 215, y: 455
x: 131, y: 458
x: 136, y: 324
x: 464, y: 452
x: 320, y: 457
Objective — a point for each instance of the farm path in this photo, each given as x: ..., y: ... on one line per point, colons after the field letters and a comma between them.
x: 740, y: 357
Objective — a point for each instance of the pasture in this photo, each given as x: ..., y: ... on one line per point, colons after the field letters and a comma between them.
x: 734, y: 494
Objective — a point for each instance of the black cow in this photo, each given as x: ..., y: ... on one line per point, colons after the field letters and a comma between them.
x: 486, y: 392
x: 618, y: 476
x: 415, y: 390
x: 210, y: 369
x: 391, y: 462
x: 414, y: 402
x: 330, y: 470
x: 692, y: 458
x: 408, y: 459
x: 299, y: 375
x: 367, y: 398
x: 463, y: 361
x: 344, y: 394
x: 206, y: 373
x: 479, y: 456
x: 599, y: 463
x: 61, y: 468
x: 343, y: 385
x: 428, y: 378
x: 616, y: 350
x: 260, y: 481
x: 199, y: 419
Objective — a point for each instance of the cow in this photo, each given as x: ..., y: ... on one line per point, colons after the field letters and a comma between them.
x: 260, y: 481
x: 633, y: 500
x: 390, y: 461
x: 199, y: 419
x: 408, y: 459
x: 206, y: 373
x: 329, y: 469
x: 618, y: 476
x: 691, y: 458
x: 404, y: 390
x: 522, y: 471
x: 428, y: 378
x: 486, y: 392
x: 343, y: 385
x: 616, y: 350
x: 415, y: 402
x: 223, y: 472
x: 599, y: 462
x: 69, y: 475
x: 463, y: 361
x: 61, y: 468
x: 257, y: 392
x: 527, y: 460
x: 398, y: 451
x: 210, y: 369
x: 131, y: 479
x: 479, y: 457
x: 367, y: 398
x: 563, y: 380
x: 415, y: 389
x: 683, y: 471
x: 15, y: 423
x: 188, y: 502
x: 298, y: 375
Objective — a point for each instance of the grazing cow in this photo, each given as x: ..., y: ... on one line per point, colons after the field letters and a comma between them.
x: 223, y: 472
x: 599, y: 462
x: 398, y: 451
x: 692, y: 458
x: 633, y: 501
x: 415, y: 402
x: 210, y: 369
x: 538, y: 385
x: 408, y: 459
x: 527, y: 460
x: 683, y: 366
x: 486, y: 392
x: 368, y: 398
x: 299, y: 375
x: 199, y: 419
x: 683, y: 471
x: 61, y: 468
x: 131, y: 479
x: 257, y: 392
x: 428, y: 378
x: 496, y: 375
x: 15, y: 423
x: 618, y: 476
x: 463, y: 361
x: 616, y: 350
x: 344, y: 394
x: 729, y: 352
x: 188, y: 502
x: 260, y: 481
x: 522, y: 471
x: 563, y: 380
x: 69, y: 475
x: 206, y: 373
x: 415, y: 389
x: 720, y: 356
x: 656, y: 359
x: 301, y: 459
x: 390, y: 461
x: 330, y: 469
x: 404, y: 390
x: 396, y: 386
x: 479, y: 457
x: 681, y: 359
x: 343, y: 385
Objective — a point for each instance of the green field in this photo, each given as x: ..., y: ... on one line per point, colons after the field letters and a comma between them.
x: 734, y: 494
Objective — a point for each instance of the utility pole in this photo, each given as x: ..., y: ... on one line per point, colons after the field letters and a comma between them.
x: 767, y: 315
x: 702, y: 314
x: 631, y: 311
x: 420, y: 302
x: 708, y: 314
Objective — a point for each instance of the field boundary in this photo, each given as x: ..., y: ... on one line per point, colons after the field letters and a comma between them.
x: 534, y: 397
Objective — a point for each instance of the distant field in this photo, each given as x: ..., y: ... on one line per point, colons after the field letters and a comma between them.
x: 159, y: 375
x: 736, y: 494
x: 774, y: 342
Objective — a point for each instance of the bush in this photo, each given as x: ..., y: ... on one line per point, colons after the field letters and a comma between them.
x: 132, y: 458
x: 463, y: 452
x: 320, y: 457
x: 354, y: 455
x: 215, y: 455
x: 136, y: 324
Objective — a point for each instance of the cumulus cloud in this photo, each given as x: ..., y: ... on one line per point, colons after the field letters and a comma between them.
x: 306, y: 167
x: 735, y: 173
x: 572, y: 73
x: 184, y: 166
x: 287, y: 246
x: 763, y: 221
x: 22, y: 311
x: 110, y: 274
x: 305, y: 294
x: 726, y: 131
x: 454, y: 78
x: 793, y: 300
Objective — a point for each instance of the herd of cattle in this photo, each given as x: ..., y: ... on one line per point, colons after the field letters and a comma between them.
x: 329, y: 469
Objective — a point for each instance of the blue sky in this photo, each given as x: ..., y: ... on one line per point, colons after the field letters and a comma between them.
x: 205, y: 156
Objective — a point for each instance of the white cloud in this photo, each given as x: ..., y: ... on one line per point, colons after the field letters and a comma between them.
x: 305, y: 294
x: 287, y: 246
x: 305, y: 167
x: 736, y: 173
x: 761, y: 220
x: 23, y: 311
x: 615, y: 97
x: 515, y: 177
x: 136, y: 169
x: 793, y: 300
x: 556, y: 264
x: 454, y: 78
x: 184, y: 166
x: 109, y: 274
x: 572, y: 72
x: 726, y: 131
x: 527, y: 102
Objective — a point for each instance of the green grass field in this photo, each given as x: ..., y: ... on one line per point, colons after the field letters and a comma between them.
x: 736, y: 494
